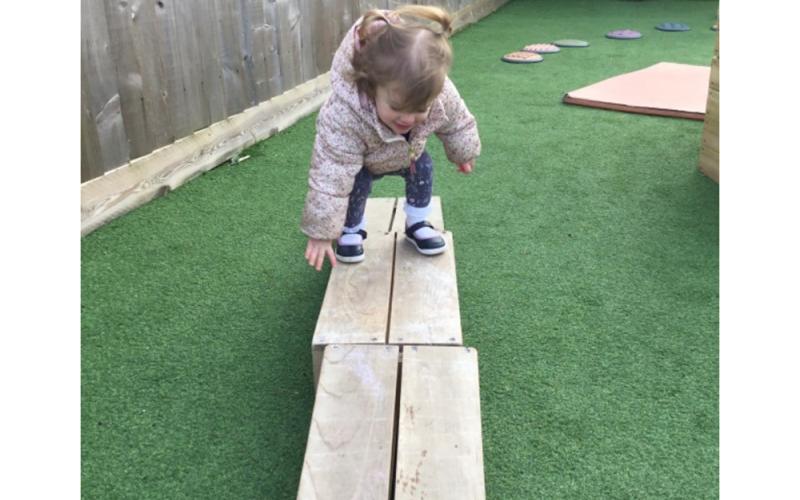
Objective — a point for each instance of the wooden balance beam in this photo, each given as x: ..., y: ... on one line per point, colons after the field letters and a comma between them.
x: 397, y: 422
x: 396, y: 295
x: 397, y: 409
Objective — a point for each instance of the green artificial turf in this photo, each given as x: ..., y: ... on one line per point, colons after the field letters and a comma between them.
x: 587, y: 255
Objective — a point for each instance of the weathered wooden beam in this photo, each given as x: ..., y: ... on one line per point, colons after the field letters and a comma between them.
x: 425, y: 297
x: 349, y: 448
x: 163, y: 170
x: 439, y: 442
x: 709, y: 146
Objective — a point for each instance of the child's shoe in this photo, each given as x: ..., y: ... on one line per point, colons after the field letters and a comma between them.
x: 349, y: 247
x: 429, y: 242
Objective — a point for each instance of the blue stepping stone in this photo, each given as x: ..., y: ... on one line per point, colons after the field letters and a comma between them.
x: 672, y: 27
x: 624, y: 34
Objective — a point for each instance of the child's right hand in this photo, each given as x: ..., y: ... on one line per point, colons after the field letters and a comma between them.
x: 316, y: 251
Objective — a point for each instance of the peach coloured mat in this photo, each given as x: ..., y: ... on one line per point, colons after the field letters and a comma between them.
x: 666, y: 89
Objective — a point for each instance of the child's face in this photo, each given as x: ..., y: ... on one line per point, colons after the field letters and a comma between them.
x: 401, y: 122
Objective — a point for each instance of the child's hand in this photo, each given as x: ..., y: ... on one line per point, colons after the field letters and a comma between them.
x: 466, y: 167
x: 316, y: 251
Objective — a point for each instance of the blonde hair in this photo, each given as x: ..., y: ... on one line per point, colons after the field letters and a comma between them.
x: 408, y: 45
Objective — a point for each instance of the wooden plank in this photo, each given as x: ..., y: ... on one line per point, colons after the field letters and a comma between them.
x: 425, y: 297
x: 307, y: 39
x: 436, y: 217
x: 118, y: 192
x: 132, y: 29
x: 328, y: 20
x: 289, y: 42
x: 189, y: 60
x: 129, y: 79
x: 379, y: 214
x: 709, y: 146
x: 91, y: 158
x: 355, y: 309
x: 172, y: 64
x: 232, y: 58
x: 248, y: 52
x: 259, y: 44
x: 100, y: 96
x: 206, y: 27
x: 714, y: 79
x: 439, y: 443
x: 349, y: 449
x: 275, y: 77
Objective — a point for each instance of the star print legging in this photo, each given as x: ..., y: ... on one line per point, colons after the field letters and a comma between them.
x: 419, y: 186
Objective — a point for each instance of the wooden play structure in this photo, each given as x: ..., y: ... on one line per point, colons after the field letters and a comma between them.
x: 397, y: 408
x: 709, y: 149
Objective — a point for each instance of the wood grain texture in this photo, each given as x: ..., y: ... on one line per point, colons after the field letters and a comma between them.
x: 709, y: 145
x: 305, y: 29
x: 364, y: 319
x: 356, y: 304
x: 100, y: 100
x: 436, y: 217
x: 289, y: 42
x: 172, y: 84
x: 189, y: 68
x: 129, y: 79
x: 439, y: 443
x: 236, y: 73
x: 349, y: 449
x: 378, y: 215
x: 207, y: 32
x: 260, y: 37
x: 118, y: 192
x: 425, y: 297
x: 91, y: 158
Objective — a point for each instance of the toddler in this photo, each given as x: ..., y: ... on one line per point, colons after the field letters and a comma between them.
x: 390, y: 92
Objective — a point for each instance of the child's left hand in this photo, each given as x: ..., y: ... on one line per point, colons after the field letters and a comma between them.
x: 466, y: 168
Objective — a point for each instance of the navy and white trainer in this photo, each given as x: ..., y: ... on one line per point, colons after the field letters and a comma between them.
x: 349, y: 247
x: 426, y: 246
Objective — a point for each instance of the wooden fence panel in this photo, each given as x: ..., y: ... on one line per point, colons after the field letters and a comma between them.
x: 155, y: 71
